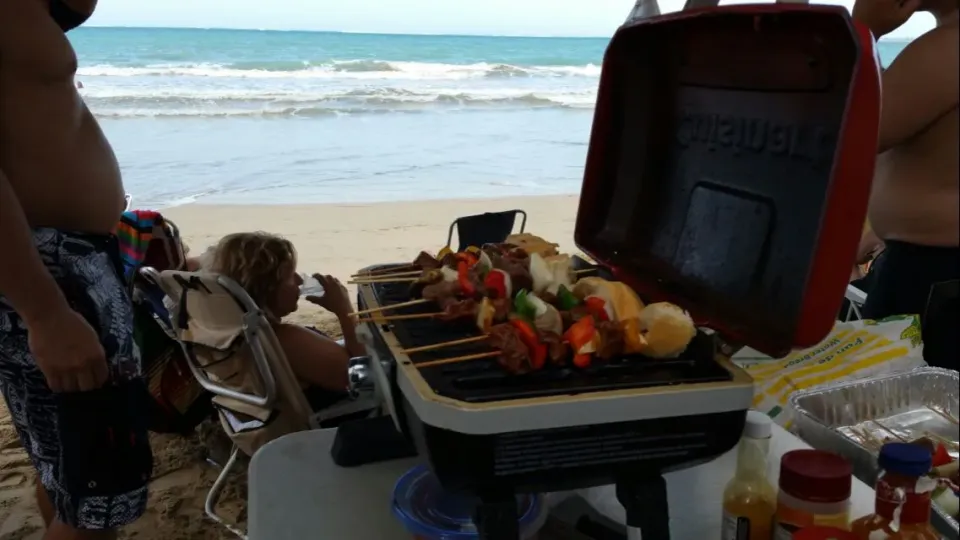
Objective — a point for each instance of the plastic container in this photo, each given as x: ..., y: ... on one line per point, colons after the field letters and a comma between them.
x: 817, y: 532
x: 311, y: 286
x: 903, y: 491
x: 814, y: 490
x: 749, y: 500
x: 430, y: 513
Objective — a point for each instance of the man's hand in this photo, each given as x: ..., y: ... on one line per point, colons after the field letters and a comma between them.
x: 68, y: 351
x: 884, y: 16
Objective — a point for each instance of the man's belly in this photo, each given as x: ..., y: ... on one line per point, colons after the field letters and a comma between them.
x: 72, y: 203
x: 71, y: 183
x: 916, y: 214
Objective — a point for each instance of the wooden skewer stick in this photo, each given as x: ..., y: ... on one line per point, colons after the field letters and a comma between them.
x: 949, y: 417
x: 888, y: 430
x: 382, y: 280
x: 457, y: 359
x: 410, y: 273
x: 402, y: 268
x: 869, y: 439
x: 585, y: 271
x: 416, y: 302
x: 445, y: 344
x: 388, y: 318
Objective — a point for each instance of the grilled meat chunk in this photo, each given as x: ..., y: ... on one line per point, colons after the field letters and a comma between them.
x: 426, y: 261
x: 611, y: 340
x: 514, y: 356
x: 429, y: 277
x: 454, y: 309
x: 557, y: 351
x: 441, y: 291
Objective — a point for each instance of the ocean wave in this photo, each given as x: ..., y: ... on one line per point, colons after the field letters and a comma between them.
x: 281, y: 108
x: 340, y: 69
x: 141, y: 101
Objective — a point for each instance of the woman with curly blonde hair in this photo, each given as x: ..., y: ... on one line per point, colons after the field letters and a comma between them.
x: 265, y: 265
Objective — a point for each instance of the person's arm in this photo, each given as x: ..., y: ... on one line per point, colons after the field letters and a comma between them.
x: 24, y: 281
x: 919, y: 87
x: 314, y: 359
x: 349, y: 328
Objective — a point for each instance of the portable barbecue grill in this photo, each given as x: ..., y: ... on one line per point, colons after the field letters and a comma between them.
x: 728, y: 172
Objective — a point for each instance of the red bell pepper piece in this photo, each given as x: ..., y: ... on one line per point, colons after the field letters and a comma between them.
x: 463, y: 279
x: 529, y: 337
x: 580, y: 333
x: 582, y: 360
x: 468, y: 258
x: 597, y: 307
x: 496, y: 284
x: 941, y: 456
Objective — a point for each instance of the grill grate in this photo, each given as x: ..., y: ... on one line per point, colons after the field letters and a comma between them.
x: 482, y: 380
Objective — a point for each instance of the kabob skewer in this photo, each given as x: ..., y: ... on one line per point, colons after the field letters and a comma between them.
x: 532, y: 309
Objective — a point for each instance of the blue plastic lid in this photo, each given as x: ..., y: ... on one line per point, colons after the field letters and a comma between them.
x: 906, y: 459
x: 426, y: 510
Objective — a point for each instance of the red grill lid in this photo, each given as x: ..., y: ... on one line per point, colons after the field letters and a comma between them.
x: 730, y: 164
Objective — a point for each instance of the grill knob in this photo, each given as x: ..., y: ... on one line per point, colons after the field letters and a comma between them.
x: 358, y: 374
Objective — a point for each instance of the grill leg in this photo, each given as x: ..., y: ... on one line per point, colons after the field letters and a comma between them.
x: 645, y: 502
x: 497, y: 517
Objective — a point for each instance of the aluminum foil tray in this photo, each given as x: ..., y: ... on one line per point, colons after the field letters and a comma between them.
x: 853, y: 419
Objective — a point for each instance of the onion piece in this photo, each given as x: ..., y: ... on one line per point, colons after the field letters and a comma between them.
x: 449, y: 274
x: 540, y: 273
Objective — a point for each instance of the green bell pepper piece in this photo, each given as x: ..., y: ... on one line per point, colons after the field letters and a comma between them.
x: 524, y: 307
x: 566, y: 299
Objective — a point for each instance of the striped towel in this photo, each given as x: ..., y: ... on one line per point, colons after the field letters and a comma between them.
x: 134, y: 232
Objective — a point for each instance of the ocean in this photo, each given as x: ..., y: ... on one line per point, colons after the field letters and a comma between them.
x: 268, y: 117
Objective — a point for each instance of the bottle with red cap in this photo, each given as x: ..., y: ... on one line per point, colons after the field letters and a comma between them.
x: 903, y: 492
x: 814, y: 490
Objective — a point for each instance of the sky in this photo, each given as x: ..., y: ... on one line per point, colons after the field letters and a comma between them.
x: 479, y: 17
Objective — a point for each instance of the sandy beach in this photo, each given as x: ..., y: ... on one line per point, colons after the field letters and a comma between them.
x: 332, y: 239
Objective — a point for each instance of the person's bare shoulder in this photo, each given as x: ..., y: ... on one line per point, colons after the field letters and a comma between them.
x: 920, y: 86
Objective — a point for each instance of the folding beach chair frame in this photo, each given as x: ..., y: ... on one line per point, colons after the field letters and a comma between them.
x: 255, y: 326
x: 454, y: 227
x: 253, y: 318
x: 857, y: 298
x: 253, y: 321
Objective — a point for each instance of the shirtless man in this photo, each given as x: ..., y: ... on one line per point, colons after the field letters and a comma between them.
x: 915, y: 203
x: 69, y: 369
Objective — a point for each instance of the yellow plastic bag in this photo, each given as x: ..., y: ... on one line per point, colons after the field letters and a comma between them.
x: 853, y: 350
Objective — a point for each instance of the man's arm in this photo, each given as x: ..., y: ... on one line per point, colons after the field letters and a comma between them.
x: 24, y: 281
x: 919, y: 87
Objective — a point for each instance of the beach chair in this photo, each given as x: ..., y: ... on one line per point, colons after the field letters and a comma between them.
x: 486, y: 228
x: 214, y: 320
x: 856, y: 298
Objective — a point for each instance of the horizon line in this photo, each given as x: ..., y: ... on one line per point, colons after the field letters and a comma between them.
x: 370, y: 33
x: 349, y: 32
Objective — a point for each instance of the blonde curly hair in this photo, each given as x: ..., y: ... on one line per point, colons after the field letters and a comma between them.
x: 255, y: 260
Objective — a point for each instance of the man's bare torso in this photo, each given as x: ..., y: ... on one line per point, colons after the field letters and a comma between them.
x: 52, y: 150
x: 916, y: 188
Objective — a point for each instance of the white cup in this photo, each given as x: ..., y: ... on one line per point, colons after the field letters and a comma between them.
x: 310, y: 286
